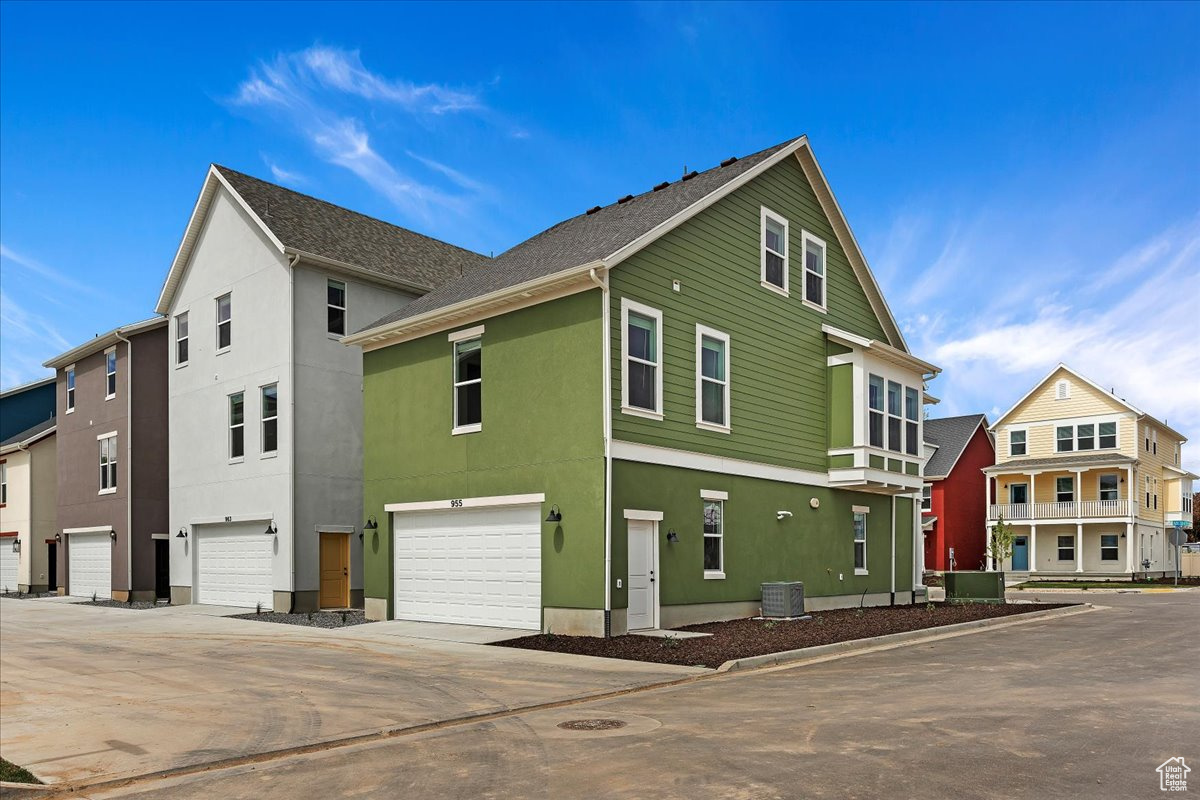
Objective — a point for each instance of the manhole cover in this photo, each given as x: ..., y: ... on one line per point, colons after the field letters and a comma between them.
x: 592, y: 724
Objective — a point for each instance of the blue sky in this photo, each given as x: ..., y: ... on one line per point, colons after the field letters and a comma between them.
x: 1024, y: 179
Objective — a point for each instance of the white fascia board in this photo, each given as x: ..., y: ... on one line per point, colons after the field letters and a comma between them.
x: 883, y: 350
x: 354, y: 271
x: 455, y: 504
x: 103, y: 342
x: 92, y: 529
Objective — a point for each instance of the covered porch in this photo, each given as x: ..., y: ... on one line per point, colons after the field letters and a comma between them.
x: 1101, y: 550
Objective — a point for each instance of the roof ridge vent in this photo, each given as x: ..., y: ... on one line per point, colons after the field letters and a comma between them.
x: 728, y: 161
x: 593, y: 210
x: 662, y: 185
x: 690, y: 175
x: 625, y: 199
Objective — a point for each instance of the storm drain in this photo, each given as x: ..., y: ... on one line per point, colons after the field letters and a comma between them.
x: 592, y: 724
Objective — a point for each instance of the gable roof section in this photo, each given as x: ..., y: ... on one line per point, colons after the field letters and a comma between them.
x: 297, y: 224
x: 1094, y: 385
x: 603, y: 238
x: 25, y: 387
x: 950, y: 435
x: 28, y: 437
x: 104, y: 340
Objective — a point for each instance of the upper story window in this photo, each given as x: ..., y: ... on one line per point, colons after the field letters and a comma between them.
x: 110, y: 373
x: 1064, y: 490
x: 1108, y: 435
x: 894, y: 419
x: 927, y: 498
x: 70, y: 389
x: 1108, y: 487
x: 1083, y: 437
x: 270, y: 418
x: 1016, y: 443
x: 237, y: 425
x: 3, y: 483
x: 224, y: 322
x: 714, y: 537
x: 181, y: 339
x: 860, y: 540
x: 875, y: 410
x: 912, y: 408
x: 468, y: 385
x: 1154, y: 442
x: 108, y: 464
x: 1062, y: 390
x: 1147, y: 491
x: 814, y: 271
x: 1064, y: 439
x: 641, y: 379
x: 774, y: 251
x: 336, y: 307
x: 712, y: 378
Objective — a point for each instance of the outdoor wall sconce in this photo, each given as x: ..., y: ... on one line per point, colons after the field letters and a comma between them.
x: 814, y: 503
x: 112, y: 535
x: 555, y: 515
x: 672, y: 536
x: 58, y: 538
x: 16, y: 547
x: 371, y: 524
x: 271, y: 529
x: 182, y: 533
x: 360, y: 536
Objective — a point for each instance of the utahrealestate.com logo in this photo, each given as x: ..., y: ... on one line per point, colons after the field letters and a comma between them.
x: 1172, y: 775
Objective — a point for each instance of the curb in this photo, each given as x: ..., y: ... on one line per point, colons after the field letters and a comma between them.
x: 1107, y: 590
x: 19, y: 791
x: 898, y: 639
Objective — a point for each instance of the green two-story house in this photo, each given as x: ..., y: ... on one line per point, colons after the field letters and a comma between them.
x: 635, y: 418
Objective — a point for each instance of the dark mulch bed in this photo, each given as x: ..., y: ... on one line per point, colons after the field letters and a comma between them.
x: 137, y: 605
x: 750, y: 637
x: 317, y: 619
x: 27, y: 595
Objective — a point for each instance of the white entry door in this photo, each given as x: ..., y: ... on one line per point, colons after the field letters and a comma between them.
x: 643, y: 595
x: 233, y: 565
x: 8, y: 564
x: 472, y: 566
x: 89, y: 565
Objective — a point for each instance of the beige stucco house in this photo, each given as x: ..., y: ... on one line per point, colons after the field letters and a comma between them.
x: 1090, y: 482
x: 28, y: 510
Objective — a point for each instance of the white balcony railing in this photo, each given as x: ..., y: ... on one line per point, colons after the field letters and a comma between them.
x: 1083, y: 509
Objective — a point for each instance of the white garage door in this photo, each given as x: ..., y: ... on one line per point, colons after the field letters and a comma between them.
x: 233, y: 565
x: 478, y: 566
x: 89, y: 565
x: 8, y: 564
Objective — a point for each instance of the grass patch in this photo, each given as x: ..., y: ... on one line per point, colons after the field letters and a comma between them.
x: 11, y: 772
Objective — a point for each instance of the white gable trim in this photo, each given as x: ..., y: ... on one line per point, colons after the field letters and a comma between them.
x: 1074, y: 374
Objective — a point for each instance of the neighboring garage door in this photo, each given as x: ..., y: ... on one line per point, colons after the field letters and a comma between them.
x: 233, y: 565
x: 8, y: 564
x: 89, y: 565
x: 476, y: 566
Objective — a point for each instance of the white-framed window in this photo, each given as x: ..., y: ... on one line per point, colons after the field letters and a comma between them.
x: 1064, y: 489
x: 3, y: 483
x: 70, y: 388
x: 860, y: 540
x: 895, y: 422
x: 237, y: 426
x: 181, y: 339
x: 1176, y: 454
x: 468, y: 385
x: 224, y: 322
x: 1016, y: 443
x: 270, y: 418
x: 1108, y: 488
x: 875, y: 410
x: 1147, y: 491
x: 774, y: 251
x: 714, y: 537
x: 1154, y: 442
x: 1108, y: 435
x: 712, y: 379
x: 927, y: 498
x: 1062, y: 390
x: 641, y: 360
x: 1064, y: 439
x: 108, y: 464
x: 1085, y: 437
x: 335, y: 316
x: 1109, y: 547
x: 1066, y: 548
x: 110, y: 373
x: 814, y: 270
x: 912, y: 427
x: 1018, y: 493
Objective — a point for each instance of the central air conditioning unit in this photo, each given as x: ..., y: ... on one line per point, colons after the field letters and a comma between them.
x: 783, y: 600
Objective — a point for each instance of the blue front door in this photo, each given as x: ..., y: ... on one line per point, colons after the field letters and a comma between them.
x: 1020, y: 558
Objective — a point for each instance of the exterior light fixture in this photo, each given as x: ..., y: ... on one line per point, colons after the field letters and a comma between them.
x: 371, y: 524
x: 555, y: 515
x: 58, y: 538
x: 672, y: 536
x: 16, y: 545
x: 182, y: 533
x: 112, y: 535
x: 271, y: 529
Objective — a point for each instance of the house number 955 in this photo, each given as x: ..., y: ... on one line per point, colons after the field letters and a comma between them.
x: 456, y: 503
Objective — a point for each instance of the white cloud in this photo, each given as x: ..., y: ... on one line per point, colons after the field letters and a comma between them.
x: 284, y: 175
x: 343, y: 70
x: 29, y: 339
x: 32, y: 265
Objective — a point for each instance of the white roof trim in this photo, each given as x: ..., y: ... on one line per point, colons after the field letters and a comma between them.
x: 12, y: 447
x: 882, y: 349
x: 103, y: 342
x: 23, y: 387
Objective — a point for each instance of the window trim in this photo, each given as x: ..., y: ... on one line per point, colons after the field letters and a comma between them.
x: 3, y: 483
x: 705, y: 498
x: 703, y: 332
x: 110, y: 351
x: 627, y: 306
x: 228, y: 322
x: 1024, y: 442
x: 184, y: 340
x: 881, y: 411
x: 1058, y: 493
x: 889, y: 416
x: 764, y: 215
x: 343, y: 308
x: 69, y: 389
x: 805, y: 238
x: 1115, y: 547
x: 1059, y: 547
x: 470, y: 427
x: 1100, y: 486
x: 110, y: 465
x: 927, y: 497
x: 263, y: 419
x: 865, y: 513
x: 1013, y: 486
x: 230, y: 426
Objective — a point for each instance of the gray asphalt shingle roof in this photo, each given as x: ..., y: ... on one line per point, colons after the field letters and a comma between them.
x: 1065, y: 460
x: 323, y: 229
x: 951, y: 435
x: 582, y: 239
x: 29, y: 433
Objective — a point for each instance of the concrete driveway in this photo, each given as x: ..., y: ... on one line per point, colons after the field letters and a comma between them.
x: 1081, y: 706
x: 91, y: 692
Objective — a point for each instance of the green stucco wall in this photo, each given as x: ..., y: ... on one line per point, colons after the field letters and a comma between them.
x: 841, y: 406
x: 813, y: 546
x: 542, y: 432
x: 777, y: 350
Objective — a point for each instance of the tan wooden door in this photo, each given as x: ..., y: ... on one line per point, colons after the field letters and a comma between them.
x: 335, y: 570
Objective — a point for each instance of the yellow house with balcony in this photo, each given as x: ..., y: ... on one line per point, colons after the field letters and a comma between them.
x: 1089, y: 482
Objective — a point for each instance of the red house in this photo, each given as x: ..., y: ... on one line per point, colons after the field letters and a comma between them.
x: 954, y: 503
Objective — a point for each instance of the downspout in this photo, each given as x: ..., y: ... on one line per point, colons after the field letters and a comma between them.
x: 128, y: 462
x: 606, y: 383
x: 293, y: 260
x: 893, y: 570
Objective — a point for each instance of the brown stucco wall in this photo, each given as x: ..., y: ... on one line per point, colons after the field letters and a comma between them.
x: 149, y: 430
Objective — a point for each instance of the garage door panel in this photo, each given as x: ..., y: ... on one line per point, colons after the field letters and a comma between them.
x: 472, y: 566
x: 89, y: 564
x: 233, y: 566
x: 8, y: 564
